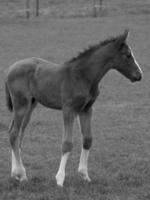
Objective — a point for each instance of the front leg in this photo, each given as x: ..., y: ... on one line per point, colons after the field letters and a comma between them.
x: 85, y: 123
x: 69, y: 116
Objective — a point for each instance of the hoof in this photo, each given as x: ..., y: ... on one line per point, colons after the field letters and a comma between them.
x: 84, y: 174
x: 60, y: 179
x: 19, y: 175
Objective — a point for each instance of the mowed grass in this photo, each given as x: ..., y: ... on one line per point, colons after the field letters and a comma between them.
x: 119, y: 163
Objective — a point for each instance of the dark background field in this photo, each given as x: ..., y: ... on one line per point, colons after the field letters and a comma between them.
x: 119, y: 163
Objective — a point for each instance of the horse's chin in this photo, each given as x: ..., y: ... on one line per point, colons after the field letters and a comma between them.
x: 134, y: 80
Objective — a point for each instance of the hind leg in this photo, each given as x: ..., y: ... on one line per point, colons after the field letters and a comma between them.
x: 26, y: 120
x: 17, y: 170
x: 19, y: 123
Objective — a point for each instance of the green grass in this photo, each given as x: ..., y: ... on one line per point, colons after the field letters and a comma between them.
x: 72, y: 8
x: 119, y: 163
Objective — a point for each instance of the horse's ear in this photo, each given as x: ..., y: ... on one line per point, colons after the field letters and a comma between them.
x: 126, y: 33
x: 122, y: 38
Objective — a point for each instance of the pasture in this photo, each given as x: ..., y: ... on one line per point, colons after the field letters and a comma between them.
x: 119, y: 162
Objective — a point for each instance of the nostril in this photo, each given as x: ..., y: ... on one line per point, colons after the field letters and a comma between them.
x: 137, y: 76
x: 140, y: 77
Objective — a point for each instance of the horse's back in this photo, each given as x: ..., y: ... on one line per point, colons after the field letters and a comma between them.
x: 27, y: 67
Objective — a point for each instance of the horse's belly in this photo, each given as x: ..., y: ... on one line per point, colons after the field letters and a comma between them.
x: 50, y: 100
x: 52, y: 105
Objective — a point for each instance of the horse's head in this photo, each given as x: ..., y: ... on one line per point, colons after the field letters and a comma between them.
x: 124, y: 60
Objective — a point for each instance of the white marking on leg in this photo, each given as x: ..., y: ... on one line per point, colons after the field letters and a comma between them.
x: 83, y: 164
x: 78, y: 123
x: 60, y: 176
x: 83, y: 159
x: 18, y: 170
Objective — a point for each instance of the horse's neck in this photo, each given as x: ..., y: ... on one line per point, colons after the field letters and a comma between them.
x: 97, y: 67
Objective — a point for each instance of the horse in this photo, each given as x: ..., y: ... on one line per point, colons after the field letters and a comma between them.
x: 71, y: 87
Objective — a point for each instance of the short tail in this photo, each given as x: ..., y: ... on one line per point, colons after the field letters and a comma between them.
x: 8, y: 99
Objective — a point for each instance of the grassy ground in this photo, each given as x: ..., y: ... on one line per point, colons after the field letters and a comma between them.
x: 72, y: 8
x: 119, y: 163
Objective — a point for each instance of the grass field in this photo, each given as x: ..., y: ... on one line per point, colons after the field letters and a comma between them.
x: 119, y: 163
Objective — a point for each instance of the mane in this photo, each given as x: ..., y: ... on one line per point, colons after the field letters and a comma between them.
x: 91, y: 49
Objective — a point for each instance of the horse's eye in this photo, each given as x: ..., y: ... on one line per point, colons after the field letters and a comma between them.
x: 127, y: 56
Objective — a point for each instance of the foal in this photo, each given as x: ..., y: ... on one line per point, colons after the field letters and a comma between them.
x: 71, y: 87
